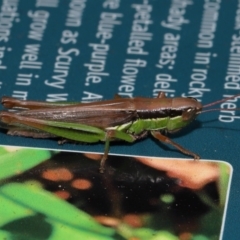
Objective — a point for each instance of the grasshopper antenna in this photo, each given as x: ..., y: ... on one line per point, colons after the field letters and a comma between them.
x: 221, y: 101
x: 218, y: 102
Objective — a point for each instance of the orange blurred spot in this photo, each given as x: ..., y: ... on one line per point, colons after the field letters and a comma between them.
x: 82, y: 184
x: 93, y: 156
x: 133, y: 220
x: 57, y: 174
x: 192, y: 174
x: 185, y: 236
x: 107, y: 221
x: 62, y: 194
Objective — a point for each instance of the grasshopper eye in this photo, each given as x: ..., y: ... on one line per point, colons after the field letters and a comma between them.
x: 188, y: 114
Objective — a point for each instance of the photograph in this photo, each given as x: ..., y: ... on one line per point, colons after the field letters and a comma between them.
x: 45, y: 194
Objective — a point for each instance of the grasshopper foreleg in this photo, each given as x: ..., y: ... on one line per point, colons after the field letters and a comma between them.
x: 167, y: 140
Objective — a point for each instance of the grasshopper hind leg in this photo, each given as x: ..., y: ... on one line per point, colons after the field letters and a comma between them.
x: 162, y: 138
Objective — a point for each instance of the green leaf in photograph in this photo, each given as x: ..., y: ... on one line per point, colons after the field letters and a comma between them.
x: 16, y: 162
x: 25, y: 210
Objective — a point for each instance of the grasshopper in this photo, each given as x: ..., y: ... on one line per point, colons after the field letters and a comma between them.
x: 126, y: 119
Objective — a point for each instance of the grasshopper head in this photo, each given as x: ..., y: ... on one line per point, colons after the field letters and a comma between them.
x: 189, y: 108
x: 184, y: 111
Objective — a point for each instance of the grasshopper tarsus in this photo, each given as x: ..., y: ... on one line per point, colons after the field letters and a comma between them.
x: 103, y: 161
x: 102, y: 168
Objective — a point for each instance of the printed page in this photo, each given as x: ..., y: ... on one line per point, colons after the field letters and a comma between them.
x: 91, y: 51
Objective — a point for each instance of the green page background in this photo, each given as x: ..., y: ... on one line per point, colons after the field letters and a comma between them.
x: 185, y: 48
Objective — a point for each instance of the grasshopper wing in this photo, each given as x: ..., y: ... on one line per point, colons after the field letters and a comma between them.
x: 98, y: 114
